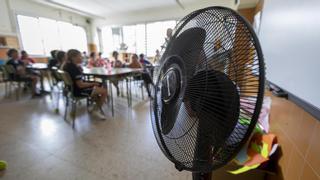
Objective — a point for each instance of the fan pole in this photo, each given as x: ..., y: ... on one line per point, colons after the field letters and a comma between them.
x: 201, y: 176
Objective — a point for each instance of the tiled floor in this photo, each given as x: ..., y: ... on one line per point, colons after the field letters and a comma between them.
x: 39, y: 145
x: 298, y: 135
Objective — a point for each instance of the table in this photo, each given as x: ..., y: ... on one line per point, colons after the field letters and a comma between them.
x: 106, y: 74
x: 103, y: 72
x: 38, y: 66
x: 41, y: 67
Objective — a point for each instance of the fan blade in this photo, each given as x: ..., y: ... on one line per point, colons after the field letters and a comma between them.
x: 217, y: 116
x: 187, y: 47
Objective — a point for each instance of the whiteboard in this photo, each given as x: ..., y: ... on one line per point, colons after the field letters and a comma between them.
x: 290, y: 39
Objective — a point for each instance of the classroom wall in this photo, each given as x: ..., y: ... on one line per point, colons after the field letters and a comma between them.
x: 5, y: 25
x: 290, y: 39
x: 298, y: 132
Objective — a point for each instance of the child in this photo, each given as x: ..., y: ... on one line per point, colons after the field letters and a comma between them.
x: 134, y: 62
x: 61, y: 57
x: 144, y: 75
x: 143, y: 60
x: 80, y: 87
x: 117, y: 62
x: 25, y: 58
x: 96, y: 62
x: 20, y: 71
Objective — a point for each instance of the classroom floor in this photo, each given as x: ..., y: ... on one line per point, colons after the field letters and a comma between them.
x: 38, y: 144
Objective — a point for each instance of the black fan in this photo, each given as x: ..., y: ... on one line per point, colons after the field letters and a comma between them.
x: 211, y: 76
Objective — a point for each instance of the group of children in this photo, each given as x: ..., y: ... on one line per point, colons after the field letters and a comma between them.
x: 135, y: 62
x: 20, y: 72
x: 72, y: 62
x: 95, y: 60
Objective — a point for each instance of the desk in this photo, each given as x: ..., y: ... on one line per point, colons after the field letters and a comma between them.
x: 103, y: 72
x: 38, y: 66
x: 106, y: 74
x: 41, y: 67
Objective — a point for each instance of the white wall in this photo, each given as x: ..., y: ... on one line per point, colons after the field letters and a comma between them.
x: 290, y: 38
x: 5, y: 25
x: 30, y: 8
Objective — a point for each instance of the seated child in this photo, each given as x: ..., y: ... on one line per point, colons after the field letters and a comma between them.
x: 80, y: 87
x: 20, y: 71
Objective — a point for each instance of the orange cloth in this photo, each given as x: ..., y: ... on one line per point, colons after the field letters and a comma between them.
x: 135, y: 64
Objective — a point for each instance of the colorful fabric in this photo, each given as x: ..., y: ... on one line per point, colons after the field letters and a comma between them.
x: 262, y: 143
x: 263, y: 120
x: 257, y: 152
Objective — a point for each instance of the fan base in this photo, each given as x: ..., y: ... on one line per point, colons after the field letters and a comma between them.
x: 201, y: 176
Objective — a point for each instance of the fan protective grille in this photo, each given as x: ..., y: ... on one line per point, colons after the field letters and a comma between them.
x: 222, y: 76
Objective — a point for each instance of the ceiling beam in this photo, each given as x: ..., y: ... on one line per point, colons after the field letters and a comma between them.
x: 69, y: 8
x: 180, y: 4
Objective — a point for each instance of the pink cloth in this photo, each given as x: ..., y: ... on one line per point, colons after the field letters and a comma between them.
x: 97, y: 63
x: 263, y: 120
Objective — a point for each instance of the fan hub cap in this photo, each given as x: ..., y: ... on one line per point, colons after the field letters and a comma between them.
x: 170, y: 84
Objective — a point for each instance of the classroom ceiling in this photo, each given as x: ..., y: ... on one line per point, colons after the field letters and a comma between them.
x: 133, y: 11
x: 103, y: 8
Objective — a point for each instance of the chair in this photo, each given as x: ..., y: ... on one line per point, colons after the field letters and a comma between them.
x: 9, y: 76
x: 68, y: 93
x: 2, y: 62
x: 137, y: 80
x: 4, y: 78
x: 56, y: 80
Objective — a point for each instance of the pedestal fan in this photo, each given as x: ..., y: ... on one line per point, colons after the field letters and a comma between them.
x: 211, y: 75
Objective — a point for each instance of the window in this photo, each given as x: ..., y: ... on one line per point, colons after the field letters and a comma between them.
x: 141, y: 43
x: 50, y: 35
x: 129, y: 37
x: 133, y: 36
x: 156, y: 33
x: 107, y: 41
x: 80, y: 38
x: 39, y: 36
x: 30, y: 34
x: 116, y: 37
x: 140, y: 38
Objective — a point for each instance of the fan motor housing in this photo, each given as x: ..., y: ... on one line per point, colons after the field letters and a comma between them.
x: 171, y: 81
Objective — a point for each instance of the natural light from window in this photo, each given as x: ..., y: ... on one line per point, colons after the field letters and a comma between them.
x: 41, y: 35
x: 140, y: 38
